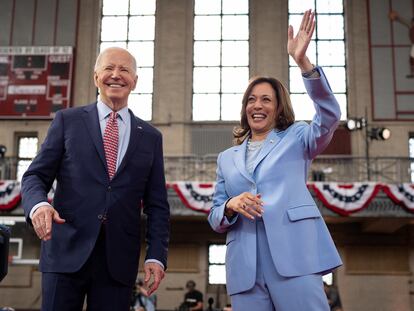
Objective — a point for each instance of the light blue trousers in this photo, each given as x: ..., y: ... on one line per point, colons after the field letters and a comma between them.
x: 274, y: 292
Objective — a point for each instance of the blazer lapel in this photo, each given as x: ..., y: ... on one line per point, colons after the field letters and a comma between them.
x: 92, y: 123
x: 239, y: 159
x: 269, y: 144
x: 134, y: 140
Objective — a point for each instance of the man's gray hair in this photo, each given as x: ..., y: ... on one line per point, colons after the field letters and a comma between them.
x: 98, y: 59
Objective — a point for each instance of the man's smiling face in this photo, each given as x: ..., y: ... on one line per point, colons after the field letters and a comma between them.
x: 115, y: 76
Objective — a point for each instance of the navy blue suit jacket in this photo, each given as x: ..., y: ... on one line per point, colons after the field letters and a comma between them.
x: 73, y: 154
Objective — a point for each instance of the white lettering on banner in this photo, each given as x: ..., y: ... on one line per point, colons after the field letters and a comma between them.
x: 60, y: 58
x: 26, y: 89
x: 35, y: 50
x: 59, y: 82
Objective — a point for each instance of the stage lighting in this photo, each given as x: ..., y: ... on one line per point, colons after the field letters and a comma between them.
x: 371, y: 133
x: 353, y: 124
x: 380, y: 133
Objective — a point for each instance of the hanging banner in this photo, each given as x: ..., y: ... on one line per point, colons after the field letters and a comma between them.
x: 9, y: 194
x: 402, y: 194
x: 345, y: 199
x: 195, y: 195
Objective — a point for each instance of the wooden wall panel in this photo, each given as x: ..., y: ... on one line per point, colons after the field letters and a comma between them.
x: 23, y: 22
x: 66, y: 23
x: 45, y: 22
x: 6, y: 15
x: 377, y: 260
x: 38, y: 22
x: 181, y: 258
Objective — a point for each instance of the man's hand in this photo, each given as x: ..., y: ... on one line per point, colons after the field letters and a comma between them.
x: 157, y: 272
x: 42, y: 221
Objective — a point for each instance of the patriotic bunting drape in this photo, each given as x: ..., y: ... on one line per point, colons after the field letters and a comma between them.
x: 402, y: 194
x: 195, y: 195
x: 341, y: 198
x: 10, y: 194
x: 345, y: 198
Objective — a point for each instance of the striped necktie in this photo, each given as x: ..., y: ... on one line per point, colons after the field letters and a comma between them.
x: 110, y: 141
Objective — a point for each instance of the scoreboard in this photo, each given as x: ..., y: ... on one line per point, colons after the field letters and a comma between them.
x: 35, y: 81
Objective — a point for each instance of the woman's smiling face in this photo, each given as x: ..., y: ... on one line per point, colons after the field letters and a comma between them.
x: 261, y: 109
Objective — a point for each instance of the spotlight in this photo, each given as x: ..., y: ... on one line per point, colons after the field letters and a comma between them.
x: 380, y: 133
x: 351, y: 124
x: 3, y: 150
x: 354, y: 124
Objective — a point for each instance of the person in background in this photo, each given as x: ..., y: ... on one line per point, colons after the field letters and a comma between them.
x: 278, y: 245
x: 193, y: 299
x: 109, y: 168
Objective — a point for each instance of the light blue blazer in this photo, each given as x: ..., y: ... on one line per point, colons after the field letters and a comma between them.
x: 298, y: 238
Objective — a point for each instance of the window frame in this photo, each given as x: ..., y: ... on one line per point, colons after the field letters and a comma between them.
x: 18, y: 136
x: 411, y: 137
x: 220, y: 67
x: 129, y: 41
x: 209, y: 244
x: 316, y: 40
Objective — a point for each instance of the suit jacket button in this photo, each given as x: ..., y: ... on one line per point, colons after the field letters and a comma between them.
x: 109, y: 188
x: 100, y: 217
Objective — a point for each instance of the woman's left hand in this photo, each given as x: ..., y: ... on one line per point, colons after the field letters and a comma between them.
x: 297, y: 45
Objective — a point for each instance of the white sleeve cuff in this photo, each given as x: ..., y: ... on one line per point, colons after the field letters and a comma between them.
x: 156, y: 261
x: 34, y: 208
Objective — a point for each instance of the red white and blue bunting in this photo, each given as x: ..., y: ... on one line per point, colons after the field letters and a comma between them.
x: 9, y: 194
x: 402, y: 194
x: 344, y: 199
x: 195, y: 195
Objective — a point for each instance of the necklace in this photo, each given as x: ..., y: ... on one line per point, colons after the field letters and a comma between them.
x: 254, y: 145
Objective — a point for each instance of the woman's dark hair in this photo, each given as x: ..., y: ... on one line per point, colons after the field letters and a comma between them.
x: 284, y: 114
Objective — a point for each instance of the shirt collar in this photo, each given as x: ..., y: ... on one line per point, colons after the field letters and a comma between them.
x: 104, y: 111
